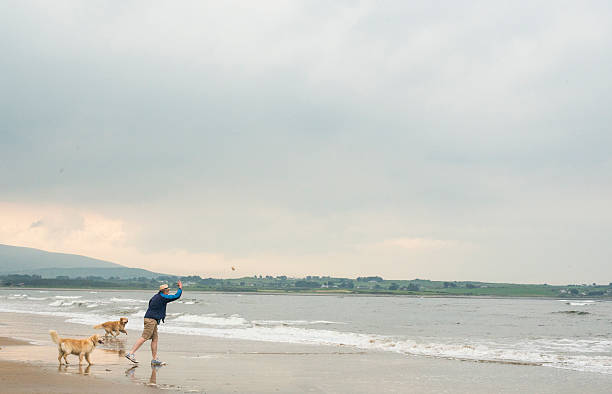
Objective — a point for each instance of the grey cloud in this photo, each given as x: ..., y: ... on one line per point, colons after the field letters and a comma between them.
x: 469, y: 120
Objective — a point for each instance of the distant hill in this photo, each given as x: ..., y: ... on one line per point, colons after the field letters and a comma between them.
x: 20, y: 260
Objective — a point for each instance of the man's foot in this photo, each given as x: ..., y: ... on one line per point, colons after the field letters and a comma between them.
x: 131, y: 357
x: 157, y: 363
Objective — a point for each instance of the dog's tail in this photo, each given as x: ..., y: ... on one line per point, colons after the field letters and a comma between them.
x: 54, y: 337
x: 98, y: 326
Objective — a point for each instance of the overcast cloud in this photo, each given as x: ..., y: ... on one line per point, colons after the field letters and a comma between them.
x: 441, y: 140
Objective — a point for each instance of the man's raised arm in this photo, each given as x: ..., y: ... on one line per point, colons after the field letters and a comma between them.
x: 176, y: 296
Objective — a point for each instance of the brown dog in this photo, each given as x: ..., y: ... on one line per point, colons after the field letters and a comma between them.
x: 79, y: 347
x: 112, y: 327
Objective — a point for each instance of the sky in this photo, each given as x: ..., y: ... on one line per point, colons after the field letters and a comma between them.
x: 430, y: 139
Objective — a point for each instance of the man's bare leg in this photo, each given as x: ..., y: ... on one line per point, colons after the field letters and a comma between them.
x: 137, y: 345
x: 154, y: 348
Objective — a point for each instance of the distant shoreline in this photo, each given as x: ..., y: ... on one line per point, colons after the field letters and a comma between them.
x: 320, y: 293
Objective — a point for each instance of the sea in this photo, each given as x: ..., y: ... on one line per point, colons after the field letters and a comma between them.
x: 572, y: 334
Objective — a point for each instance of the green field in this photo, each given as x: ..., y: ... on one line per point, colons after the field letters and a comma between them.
x: 321, y: 285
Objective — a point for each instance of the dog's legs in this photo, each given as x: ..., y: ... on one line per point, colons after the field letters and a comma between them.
x: 80, y: 358
x: 59, y: 358
x: 66, y: 358
x: 87, y: 358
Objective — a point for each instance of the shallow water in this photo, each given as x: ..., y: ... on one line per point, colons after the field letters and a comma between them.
x: 574, y: 335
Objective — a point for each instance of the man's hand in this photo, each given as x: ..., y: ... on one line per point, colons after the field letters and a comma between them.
x: 180, y: 285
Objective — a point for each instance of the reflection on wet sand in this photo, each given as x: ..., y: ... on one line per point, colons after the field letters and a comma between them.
x: 82, y: 371
x: 114, y: 345
x: 153, y: 378
x: 131, y: 373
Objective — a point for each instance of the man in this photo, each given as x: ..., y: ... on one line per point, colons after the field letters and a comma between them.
x: 155, y: 314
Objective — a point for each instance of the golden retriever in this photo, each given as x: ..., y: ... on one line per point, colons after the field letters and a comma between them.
x: 79, y: 347
x: 112, y: 327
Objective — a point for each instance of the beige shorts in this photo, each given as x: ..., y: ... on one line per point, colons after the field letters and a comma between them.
x: 150, y: 329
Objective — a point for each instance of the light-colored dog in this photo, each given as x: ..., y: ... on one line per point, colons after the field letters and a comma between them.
x: 114, y: 327
x: 78, y: 347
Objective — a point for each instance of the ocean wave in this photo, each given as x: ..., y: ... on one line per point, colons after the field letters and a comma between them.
x: 114, y: 299
x: 68, y: 297
x: 578, y: 302
x: 568, y: 345
x: 212, y: 320
x: 129, y: 308
x: 293, y: 322
x: 37, y: 298
x: 574, y: 312
x: 82, y: 303
x: 138, y: 314
x: 73, y: 317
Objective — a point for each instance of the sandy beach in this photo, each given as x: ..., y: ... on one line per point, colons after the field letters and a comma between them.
x: 213, y: 365
x: 32, y: 377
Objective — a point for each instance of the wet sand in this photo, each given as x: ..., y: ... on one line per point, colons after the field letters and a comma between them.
x: 24, y: 377
x: 213, y: 365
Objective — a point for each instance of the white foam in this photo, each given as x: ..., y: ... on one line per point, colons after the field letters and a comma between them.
x: 85, y: 303
x: 73, y: 317
x: 68, y: 297
x: 140, y: 313
x: 293, y: 322
x: 88, y: 319
x: 578, y: 302
x: 37, y: 298
x: 568, y: 345
x: 128, y: 300
x: 212, y: 320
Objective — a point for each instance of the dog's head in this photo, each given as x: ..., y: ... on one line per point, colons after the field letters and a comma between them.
x: 123, y: 321
x: 95, y: 339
